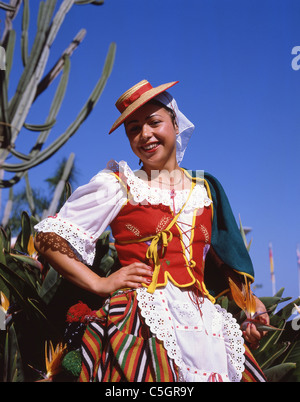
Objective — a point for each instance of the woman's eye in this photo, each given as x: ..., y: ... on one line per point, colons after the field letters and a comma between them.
x: 155, y: 122
x: 134, y: 129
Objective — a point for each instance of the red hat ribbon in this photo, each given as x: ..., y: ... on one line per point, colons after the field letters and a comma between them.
x: 133, y: 97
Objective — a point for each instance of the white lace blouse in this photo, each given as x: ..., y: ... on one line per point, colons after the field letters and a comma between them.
x: 205, y: 347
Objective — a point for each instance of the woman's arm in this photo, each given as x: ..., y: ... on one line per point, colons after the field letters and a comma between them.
x: 62, y: 258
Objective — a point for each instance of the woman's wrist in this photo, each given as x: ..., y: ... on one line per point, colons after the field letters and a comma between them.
x: 100, y: 287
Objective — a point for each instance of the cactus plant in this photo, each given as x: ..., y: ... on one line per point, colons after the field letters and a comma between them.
x: 14, y: 112
x: 40, y: 205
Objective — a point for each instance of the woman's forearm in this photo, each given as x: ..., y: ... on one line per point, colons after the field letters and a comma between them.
x: 61, y: 257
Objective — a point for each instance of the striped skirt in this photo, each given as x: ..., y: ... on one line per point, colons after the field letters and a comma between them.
x: 119, y: 347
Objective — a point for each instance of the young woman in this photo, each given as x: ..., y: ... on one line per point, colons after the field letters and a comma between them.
x: 178, y: 244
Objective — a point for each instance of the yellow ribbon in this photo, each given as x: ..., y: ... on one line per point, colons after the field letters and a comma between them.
x: 165, y: 236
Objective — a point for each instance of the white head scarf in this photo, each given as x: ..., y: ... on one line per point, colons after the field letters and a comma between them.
x: 186, y: 128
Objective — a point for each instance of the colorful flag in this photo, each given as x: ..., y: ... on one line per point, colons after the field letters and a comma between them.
x: 298, y: 265
x: 272, y: 268
x: 298, y: 255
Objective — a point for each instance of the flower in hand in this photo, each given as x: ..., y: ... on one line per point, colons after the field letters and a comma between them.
x: 257, y: 322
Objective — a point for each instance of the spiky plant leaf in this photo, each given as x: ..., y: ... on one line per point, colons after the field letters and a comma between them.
x: 277, y: 373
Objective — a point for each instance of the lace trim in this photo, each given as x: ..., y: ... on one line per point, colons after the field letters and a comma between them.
x: 81, y: 241
x: 159, y: 321
x: 142, y: 192
x: 234, y: 342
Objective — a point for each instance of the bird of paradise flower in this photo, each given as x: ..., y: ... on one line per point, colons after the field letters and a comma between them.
x: 31, y: 257
x: 53, y: 360
x: 245, y: 299
x: 4, y: 302
x: 4, y: 306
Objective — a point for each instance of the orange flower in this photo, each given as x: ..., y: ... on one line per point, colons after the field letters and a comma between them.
x: 4, y: 302
x: 243, y: 297
x: 30, y: 247
x: 53, y: 359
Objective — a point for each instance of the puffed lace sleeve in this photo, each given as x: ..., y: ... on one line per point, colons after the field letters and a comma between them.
x: 87, y: 213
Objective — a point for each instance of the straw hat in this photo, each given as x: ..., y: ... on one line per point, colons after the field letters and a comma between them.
x: 135, y: 97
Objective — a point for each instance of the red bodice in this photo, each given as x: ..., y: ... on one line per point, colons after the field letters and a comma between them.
x: 137, y: 225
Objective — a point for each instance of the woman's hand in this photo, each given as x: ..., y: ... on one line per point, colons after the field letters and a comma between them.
x: 251, y: 334
x: 131, y: 276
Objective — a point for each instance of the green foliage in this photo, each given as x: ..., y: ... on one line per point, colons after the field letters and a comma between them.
x: 279, y: 352
x: 39, y: 299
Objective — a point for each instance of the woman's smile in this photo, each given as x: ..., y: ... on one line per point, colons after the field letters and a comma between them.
x: 151, y: 146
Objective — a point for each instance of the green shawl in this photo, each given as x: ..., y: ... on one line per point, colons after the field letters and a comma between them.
x: 227, y: 243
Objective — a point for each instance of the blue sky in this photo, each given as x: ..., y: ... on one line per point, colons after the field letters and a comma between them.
x: 233, y: 60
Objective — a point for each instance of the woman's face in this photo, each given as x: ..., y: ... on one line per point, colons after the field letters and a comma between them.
x: 152, y: 136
